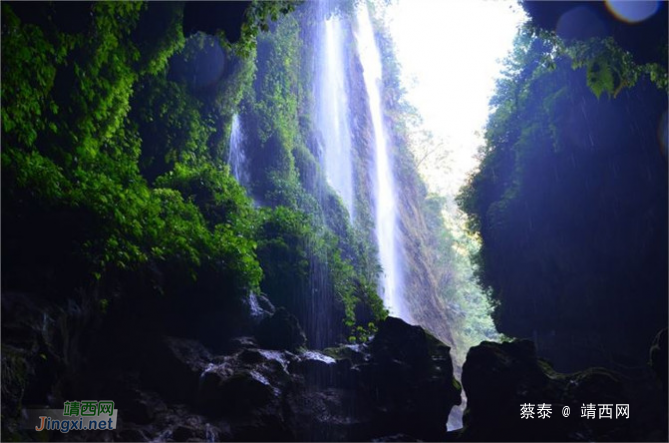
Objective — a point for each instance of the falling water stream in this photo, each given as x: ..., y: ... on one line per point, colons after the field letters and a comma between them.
x: 334, y: 117
x: 332, y: 111
x: 385, y: 192
x: 385, y: 206
x: 236, y: 156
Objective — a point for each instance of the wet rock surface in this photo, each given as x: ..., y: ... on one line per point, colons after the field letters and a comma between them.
x: 254, y: 393
x: 499, y: 378
x: 268, y: 386
x: 281, y: 330
x: 399, y: 384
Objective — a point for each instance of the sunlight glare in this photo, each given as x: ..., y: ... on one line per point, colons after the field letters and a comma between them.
x: 451, y: 53
x: 632, y: 11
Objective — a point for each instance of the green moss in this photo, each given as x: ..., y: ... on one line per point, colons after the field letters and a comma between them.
x: 345, y: 352
x: 14, y: 379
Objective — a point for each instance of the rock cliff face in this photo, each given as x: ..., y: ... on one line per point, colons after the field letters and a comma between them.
x: 264, y: 386
x: 499, y: 378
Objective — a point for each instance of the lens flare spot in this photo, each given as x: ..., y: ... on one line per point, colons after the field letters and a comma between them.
x: 632, y: 11
x: 580, y: 23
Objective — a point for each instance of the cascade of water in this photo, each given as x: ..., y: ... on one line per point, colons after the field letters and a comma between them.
x: 236, y: 156
x: 332, y: 111
x: 382, y: 174
x: 333, y: 118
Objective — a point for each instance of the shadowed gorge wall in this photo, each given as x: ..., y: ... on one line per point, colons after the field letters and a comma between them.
x: 571, y: 203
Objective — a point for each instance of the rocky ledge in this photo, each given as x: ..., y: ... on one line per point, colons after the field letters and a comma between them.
x: 399, y: 383
x: 263, y: 384
x: 267, y: 386
x: 498, y: 378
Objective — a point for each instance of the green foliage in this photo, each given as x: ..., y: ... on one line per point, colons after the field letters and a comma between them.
x: 278, y: 79
x: 81, y: 149
x: 104, y: 78
x: 292, y: 247
x: 363, y: 334
x: 158, y: 35
x: 27, y: 103
x: 609, y: 68
x: 258, y: 17
x: 284, y: 236
x: 33, y: 171
x: 600, y: 77
x: 171, y: 126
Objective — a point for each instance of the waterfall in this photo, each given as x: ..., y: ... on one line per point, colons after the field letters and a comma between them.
x: 384, y: 190
x: 383, y: 181
x: 332, y: 110
x: 333, y: 121
x: 236, y: 156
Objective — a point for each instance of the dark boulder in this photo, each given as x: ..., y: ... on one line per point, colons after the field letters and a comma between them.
x: 131, y: 434
x: 402, y: 383
x: 500, y: 377
x: 398, y: 386
x: 142, y: 408
x: 246, y: 390
x: 281, y: 331
x: 174, y: 368
x: 237, y: 344
x: 237, y: 393
x: 413, y: 372
x: 659, y: 357
x: 331, y: 414
x: 400, y: 341
x: 318, y: 369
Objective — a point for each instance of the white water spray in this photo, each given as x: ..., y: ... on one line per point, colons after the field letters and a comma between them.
x: 382, y: 173
x: 333, y: 110
x: 236, y: 156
